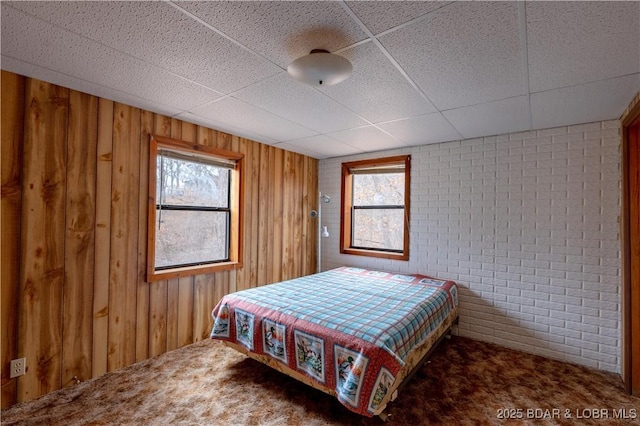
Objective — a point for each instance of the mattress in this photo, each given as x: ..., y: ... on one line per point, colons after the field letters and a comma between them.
x: 351, y: 332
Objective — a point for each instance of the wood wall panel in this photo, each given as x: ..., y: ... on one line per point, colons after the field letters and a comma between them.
x: 287, y: 217
x: 278, y: 215
x: 43, y: 237
x: 79, y: 241
x: 100, y: 341
x: 143, y: 291
x: 184, y: 332
x: 13, y: 87
x: 310, y: 202
x: 263, y: 218
x: 159, y: 293
x: 75, y: 300
x: 252, y: 205
x: 123, y: 269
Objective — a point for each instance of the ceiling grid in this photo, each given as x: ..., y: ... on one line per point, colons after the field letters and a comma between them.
x: 424, y: 71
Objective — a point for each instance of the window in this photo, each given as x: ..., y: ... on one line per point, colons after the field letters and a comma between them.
x: 375, y: 208
x: 194, y: 209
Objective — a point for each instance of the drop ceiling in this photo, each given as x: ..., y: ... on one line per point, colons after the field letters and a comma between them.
x: 424, y: 71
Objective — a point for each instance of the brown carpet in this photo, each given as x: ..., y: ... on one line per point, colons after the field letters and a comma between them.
x: 466, y: 382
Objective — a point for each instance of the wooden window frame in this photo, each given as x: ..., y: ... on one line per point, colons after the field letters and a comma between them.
x: 346, y: 198
x: 236, y: 231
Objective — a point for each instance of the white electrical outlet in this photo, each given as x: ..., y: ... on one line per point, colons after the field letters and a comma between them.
x: 18, y: 367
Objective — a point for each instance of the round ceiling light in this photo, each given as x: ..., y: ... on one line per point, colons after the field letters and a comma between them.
x: 320, y: 68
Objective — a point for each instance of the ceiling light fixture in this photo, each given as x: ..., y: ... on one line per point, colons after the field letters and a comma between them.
x: 320, y: 68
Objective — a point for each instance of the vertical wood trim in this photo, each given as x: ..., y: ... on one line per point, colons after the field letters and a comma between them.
x: 42, y: 263
x: 243, y: 273
x: 124, y: 237
x: 270, y: 196
x: 201, y: 306
x: 13, y: 94
x: 263, y: 208
x: 310, y: 242
x: 288, y: 218
x: 253, y: 209
x: 407, y: 207
x: 278, y: 219
x: 173, y: 293
x: 314, y: 188
x: 305, y: 216
x: 142, y: 288
x: 80, y: 238
x: 102, y: 238
x: 298, y: 221
x: 185, y: 311
x: 159, y: 290
x: 233, y: 274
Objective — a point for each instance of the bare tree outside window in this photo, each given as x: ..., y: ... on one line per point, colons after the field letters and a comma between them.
x: 378, y: 216
x: 195, y: 209
x: 192, y: 220
x: 375, y: 207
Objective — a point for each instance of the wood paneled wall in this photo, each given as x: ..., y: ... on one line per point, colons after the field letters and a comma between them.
x: 75, y: 302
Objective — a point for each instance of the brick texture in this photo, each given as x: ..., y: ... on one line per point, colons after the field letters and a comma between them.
x: 527, y: 224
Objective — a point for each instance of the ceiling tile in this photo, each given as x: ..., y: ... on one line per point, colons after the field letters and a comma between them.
x: 322, y: 146
x: 224, y: 127
x: 298, y: 149
x: 578, y: 42
x: 161, y: 35
x: 462, y: 54
x: 379, y: 17
x: 251, y: 119
x: 602, y: 100
x: 376, y: 90
x: 492, y: 118
x: 368, y: 138
x: 293, y: 28
x: 422, y: 130
x: 75, y: 56
x: 300, y: 103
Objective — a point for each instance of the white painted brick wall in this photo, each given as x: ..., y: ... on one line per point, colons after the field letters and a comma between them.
x: 527, y: 224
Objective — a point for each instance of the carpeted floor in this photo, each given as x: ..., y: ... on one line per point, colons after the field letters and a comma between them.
x: 465, y: 383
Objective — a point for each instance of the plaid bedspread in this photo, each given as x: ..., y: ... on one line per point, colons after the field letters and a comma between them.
x: 349, y: 329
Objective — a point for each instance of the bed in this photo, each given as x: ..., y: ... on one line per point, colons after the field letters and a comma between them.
x: 353, y: 333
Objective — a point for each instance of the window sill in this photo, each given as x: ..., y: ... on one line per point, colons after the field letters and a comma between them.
x: 168, y: 274
x: 375, y: 253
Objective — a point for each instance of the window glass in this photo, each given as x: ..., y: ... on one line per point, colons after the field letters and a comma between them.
x: 375, y: 207
x: 378, y: 229
x: 191, y: 183
x: 194, y: 209
x: 378, y: 189
x: 191, y: 237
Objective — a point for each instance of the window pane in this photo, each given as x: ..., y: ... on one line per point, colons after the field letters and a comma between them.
x: 380, y: 189
x: 189, y: 183
x: 184, y: 237
x: 378, y: 228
